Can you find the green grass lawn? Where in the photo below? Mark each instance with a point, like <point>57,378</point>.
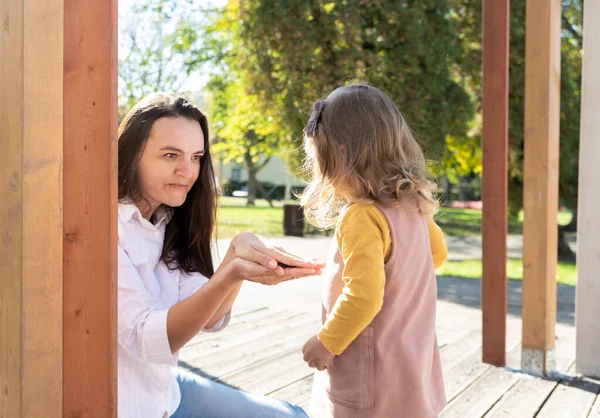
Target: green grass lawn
<point>471,269</point>
<point>465,222</point>
<point>234,216</point>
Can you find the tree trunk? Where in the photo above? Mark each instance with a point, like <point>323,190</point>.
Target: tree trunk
<point>253,169</point>
<point>461,189</point>
<point>448,185</point>
<point>252,181</point>
<point>564,250</point>
<point>264,193</point>
<point>571,226</point>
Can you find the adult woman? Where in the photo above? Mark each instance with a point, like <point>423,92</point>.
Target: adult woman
<point>167,207</point>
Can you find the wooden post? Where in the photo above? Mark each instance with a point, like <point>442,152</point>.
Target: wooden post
<point>31,159</point>
<point>495,178</point>
<point>588,232</point>
<point>540,201</point>
<point>11,207</point>
<point>90,208</point>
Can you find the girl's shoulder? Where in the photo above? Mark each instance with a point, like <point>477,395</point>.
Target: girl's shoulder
<point>361,214</point>
<point>363,224</point>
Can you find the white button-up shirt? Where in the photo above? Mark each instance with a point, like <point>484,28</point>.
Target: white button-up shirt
<point>147,289</point>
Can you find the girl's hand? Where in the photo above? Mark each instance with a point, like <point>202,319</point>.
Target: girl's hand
<point>250,247</point>
<point>316,355</point>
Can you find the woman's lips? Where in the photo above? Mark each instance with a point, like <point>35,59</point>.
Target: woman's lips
<point>178,186</point>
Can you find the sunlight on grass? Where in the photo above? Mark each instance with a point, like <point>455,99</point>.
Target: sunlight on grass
<point>566,273</point>
<point>564,217</point>
<point>234,216</point>
<point>262,220</point>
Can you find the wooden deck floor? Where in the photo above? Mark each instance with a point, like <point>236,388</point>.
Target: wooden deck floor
<point>260,352</point>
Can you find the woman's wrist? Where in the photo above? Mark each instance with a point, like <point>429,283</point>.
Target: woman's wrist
<point>229,273</point>
<point>235,242</point>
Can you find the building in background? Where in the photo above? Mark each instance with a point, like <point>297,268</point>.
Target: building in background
<point>275,177</point>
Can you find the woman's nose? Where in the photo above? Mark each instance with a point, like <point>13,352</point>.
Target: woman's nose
<point>184,169</point>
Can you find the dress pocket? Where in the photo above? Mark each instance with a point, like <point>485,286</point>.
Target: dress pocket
<point>351,374</point>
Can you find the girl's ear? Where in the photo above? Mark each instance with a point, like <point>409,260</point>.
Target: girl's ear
<point>342,148</point>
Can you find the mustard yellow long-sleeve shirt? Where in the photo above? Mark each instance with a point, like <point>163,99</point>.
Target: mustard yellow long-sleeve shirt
<point>364,242</point>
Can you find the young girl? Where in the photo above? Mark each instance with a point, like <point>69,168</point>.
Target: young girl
<point>167,205</point>
<point>376,353</point>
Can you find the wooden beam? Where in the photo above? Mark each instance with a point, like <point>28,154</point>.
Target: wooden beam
<point>11,206</point>
<point>31,190</point>
<point>495,178</point>
<point>90,208</point>
<point>588,232</point>
<point>42,208</point>
<point>540,201</point>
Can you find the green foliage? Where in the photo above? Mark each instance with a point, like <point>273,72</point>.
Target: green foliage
<point>155,38</point>
<point>270,60</point>
<point>297,51</point>
<point>239,127</point>
<point>244,130</point>
<point>468,16</point>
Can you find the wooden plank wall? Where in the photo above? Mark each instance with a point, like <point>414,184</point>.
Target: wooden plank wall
<point>90,200</point>
<point>540,202</point>
<point>495,178</point>
<point>31,188</point>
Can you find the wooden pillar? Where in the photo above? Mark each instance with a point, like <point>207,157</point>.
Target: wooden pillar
<point>31,175</point>
<point>540,201</point>
<point>495,178</point>
<point>588,232</point>
<point>90,208</point>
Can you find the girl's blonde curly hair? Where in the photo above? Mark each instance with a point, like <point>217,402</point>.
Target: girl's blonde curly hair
<point>359,149</point>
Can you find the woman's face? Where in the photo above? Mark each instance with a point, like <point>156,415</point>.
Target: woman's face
<point>170,163</point>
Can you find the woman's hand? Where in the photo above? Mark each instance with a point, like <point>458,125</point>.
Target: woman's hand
<point>257,261</point>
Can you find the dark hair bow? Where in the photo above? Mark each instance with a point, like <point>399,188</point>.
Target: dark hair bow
<point>311,127</point>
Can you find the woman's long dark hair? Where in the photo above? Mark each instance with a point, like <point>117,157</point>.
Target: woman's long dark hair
<point>187,243</point>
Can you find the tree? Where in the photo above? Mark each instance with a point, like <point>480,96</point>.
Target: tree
<point>241,132</point>
<point>154,49</point>
<point>244,130</point>
<point>296,51</point>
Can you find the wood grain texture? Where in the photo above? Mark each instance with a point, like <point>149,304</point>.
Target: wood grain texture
<point>494,223</point>
<point>11,205</point>
<point>90,208</point>
<point>42,208</point>
<point>540,202</point>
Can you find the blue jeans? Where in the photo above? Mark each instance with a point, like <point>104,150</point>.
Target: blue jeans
<point>203,398</point>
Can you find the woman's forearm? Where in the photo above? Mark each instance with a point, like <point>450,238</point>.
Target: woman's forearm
<point>231,297</point>
<point>225,306</point>
<point>246,259</point>
<point>186,318</point>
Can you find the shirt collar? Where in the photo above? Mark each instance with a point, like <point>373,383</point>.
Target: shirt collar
<point>128,210</point>
<point>163,214</point>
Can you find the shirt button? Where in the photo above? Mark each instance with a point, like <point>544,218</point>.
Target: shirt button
<point>156,233</point>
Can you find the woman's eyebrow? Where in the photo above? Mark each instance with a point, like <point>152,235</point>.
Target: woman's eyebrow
<point>171,148</point>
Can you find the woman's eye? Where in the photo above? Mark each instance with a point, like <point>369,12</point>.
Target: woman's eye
<point>171,155</point>
<point>197,157</point>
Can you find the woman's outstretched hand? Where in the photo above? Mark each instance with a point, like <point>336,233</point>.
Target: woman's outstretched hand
<point>257,261</point>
